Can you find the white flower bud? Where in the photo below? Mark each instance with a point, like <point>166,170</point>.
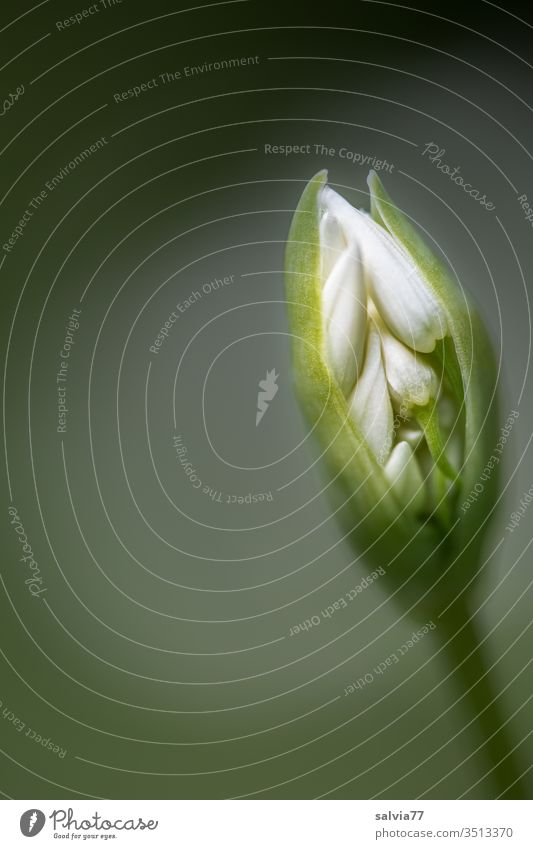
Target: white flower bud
<point>370,405</point>
<point>405,435</point>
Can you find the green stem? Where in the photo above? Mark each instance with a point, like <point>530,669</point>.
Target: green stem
<point>465,656</point>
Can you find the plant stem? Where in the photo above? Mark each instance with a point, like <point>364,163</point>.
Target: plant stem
<point>469,668</point>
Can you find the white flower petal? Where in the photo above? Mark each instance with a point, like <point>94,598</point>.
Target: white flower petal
<point>370,405</point>
<point>402,296</point>
<point>405,477</point>
<point>344,312</point>
<point>347,216</point>
<point>332,243</point>
<point>411,379</point>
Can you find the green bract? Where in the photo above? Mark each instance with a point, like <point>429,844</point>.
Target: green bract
<point>394,370</point>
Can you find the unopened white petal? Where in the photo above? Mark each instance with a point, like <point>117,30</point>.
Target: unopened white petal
<point>345,214</point>
<point>401,294</point>
<point>370,405</point>
<point>332,243</point>
<point>405,477</point>
<point>344,314</point>
<point>411,379</point>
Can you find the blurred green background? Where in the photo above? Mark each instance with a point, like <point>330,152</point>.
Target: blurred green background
<point>159,660</point>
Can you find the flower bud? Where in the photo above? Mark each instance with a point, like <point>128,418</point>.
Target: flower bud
<point>394,370</point>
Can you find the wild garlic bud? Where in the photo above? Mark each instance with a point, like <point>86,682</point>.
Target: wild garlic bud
<point>393,368</point>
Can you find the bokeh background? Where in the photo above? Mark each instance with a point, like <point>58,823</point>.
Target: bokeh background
<point>159,659</point>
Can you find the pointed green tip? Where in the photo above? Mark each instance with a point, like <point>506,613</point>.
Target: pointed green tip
<point>377,195</point>
<point>320,177</point>
<point>373,181</point>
